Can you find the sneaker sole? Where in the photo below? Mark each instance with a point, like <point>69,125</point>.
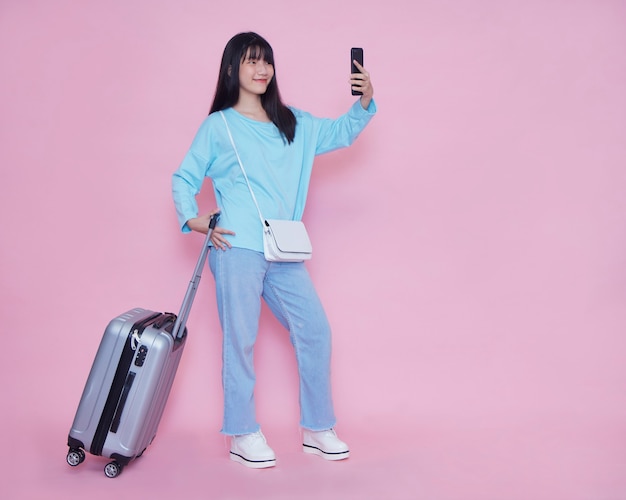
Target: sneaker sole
<point>253,464</point>
<point>340,455</point>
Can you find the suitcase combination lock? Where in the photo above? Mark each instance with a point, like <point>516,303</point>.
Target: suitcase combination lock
<point>141,355</point>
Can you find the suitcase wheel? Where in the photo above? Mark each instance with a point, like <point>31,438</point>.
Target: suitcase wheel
<point>112,469</point>
<point>75,456</point>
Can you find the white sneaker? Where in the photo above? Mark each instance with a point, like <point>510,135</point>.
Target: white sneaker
<point>252,451</point>
<point>325,444</point>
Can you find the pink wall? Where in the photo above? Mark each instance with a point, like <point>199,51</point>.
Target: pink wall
<point>470,248</point>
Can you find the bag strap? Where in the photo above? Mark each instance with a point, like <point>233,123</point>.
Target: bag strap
<point>230,136</point>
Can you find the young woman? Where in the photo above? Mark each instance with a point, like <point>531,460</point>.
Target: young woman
<point>277,145</point>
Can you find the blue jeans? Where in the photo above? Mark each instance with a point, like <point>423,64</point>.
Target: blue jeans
<point>242,277</point>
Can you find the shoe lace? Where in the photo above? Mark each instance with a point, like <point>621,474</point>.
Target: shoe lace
<point>328,432</point>
<point>255,436</point>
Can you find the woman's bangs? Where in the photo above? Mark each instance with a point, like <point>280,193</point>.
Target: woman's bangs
<point>259,52</point>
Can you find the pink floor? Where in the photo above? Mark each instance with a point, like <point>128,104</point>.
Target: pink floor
<point>526,461</point>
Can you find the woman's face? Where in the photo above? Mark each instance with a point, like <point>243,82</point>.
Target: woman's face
<point>255,74</point>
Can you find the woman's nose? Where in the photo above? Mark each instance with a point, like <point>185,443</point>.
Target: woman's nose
<point>261,67</point>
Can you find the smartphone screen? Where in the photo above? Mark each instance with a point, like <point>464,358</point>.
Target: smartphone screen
<point>356,53</point>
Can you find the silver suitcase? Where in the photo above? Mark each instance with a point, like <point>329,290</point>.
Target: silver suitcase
<point>130,380</point>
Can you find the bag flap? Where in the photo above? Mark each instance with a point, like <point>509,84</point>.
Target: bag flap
<point>290,235</point>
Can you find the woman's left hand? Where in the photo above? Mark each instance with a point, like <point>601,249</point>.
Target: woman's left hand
<point>363,83</point>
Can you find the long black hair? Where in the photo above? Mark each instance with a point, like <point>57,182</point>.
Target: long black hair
<point>227,89</point>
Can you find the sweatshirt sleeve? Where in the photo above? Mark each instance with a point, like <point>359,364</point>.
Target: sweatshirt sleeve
<point>343,131</point>
<point>188,178</point>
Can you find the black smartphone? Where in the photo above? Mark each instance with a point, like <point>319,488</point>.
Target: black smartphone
<point>356,54</point>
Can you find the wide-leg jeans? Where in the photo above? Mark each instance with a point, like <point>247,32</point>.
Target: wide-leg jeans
<point>242,278</point>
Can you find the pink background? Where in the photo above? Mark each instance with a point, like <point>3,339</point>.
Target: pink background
<point>470,248</point>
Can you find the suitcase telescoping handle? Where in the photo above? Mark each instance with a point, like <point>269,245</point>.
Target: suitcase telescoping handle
<point>181,320</point>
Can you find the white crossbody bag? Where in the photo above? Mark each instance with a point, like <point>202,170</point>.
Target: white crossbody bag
<point>283,240</point>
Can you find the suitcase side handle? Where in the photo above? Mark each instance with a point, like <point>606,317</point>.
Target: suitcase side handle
<point>181,320</point>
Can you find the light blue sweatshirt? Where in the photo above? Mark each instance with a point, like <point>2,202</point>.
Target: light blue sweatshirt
<point>278,172</point>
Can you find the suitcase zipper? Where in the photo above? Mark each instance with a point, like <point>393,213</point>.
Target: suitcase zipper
<point>115,424</point>
<point>117,386</point>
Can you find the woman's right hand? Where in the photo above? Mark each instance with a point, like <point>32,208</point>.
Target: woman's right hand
<point>201,225</point>
<point>363,83</point>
